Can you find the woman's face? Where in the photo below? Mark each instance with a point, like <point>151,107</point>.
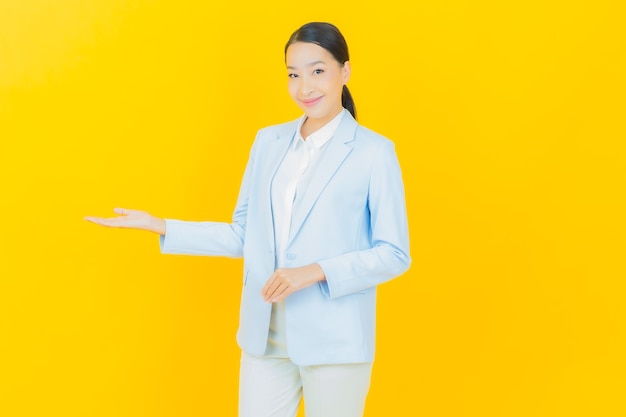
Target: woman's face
<point>316,81</point>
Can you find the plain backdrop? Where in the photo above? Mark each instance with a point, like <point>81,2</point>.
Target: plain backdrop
<point>508,119</point>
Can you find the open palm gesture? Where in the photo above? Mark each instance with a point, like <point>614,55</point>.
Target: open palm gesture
<point>131,219</point>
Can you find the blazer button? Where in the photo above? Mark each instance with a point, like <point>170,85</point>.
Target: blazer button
<point>291,256</point>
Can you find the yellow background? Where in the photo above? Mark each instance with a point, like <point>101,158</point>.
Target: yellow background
<point>508,118</point>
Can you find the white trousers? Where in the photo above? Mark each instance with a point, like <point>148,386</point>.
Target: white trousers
<point>273,387</point>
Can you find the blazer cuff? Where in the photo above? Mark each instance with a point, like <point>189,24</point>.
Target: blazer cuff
<point>324,288</point>
<point>181,238</point>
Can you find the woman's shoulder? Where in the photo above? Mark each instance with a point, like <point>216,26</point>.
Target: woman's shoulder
<point>364,135</point>
<point>368,134</point>
<point>277,129</point>
<point>372,141</point>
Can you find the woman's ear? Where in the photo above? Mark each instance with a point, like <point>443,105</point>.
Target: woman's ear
<point>346,71</point>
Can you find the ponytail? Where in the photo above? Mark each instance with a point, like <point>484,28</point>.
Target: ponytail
<point>347,101</point>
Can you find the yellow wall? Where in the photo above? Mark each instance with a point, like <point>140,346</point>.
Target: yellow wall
<point>509,123</point>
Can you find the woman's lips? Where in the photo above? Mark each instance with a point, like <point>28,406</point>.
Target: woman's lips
<point>311,102</point>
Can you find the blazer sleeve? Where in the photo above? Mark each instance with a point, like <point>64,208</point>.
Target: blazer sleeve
<point>388,256</point>
<point>212,238</point>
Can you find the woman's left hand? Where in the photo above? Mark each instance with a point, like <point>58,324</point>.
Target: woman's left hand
<point>285,281</point>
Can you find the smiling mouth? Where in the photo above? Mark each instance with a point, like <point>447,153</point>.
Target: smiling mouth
<point>311,102</point>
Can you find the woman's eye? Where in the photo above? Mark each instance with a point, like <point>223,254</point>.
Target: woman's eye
<point>318,71</point>
<point>292,75</point>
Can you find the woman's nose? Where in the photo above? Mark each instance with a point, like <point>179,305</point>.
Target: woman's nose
<point>306,86</point>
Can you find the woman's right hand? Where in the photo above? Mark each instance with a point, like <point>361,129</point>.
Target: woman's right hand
<point>131,219</point>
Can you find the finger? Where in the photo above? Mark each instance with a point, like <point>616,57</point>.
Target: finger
<point>269,292</point>
<point>278,291</point>
<point>281,293</point>
<point>121,211</point>
<point>274,289</point>
<point>267,286</point>
<point>270,285</point>
<point>98,220</point>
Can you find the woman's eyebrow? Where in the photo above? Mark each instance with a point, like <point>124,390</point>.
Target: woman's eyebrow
<point>310,64</point>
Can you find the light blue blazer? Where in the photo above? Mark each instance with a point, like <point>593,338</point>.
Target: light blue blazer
<point>352,222</point>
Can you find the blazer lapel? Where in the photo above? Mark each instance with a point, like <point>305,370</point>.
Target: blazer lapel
<point>276,151</point>
<point>331,160</point>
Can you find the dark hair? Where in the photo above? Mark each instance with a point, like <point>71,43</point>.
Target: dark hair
<point>328,37</point>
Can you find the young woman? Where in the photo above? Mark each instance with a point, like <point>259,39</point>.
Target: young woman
<point>320,221</point>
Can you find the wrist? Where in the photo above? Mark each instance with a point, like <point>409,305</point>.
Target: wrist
<point>157,225</point>
<point>320,275</point>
